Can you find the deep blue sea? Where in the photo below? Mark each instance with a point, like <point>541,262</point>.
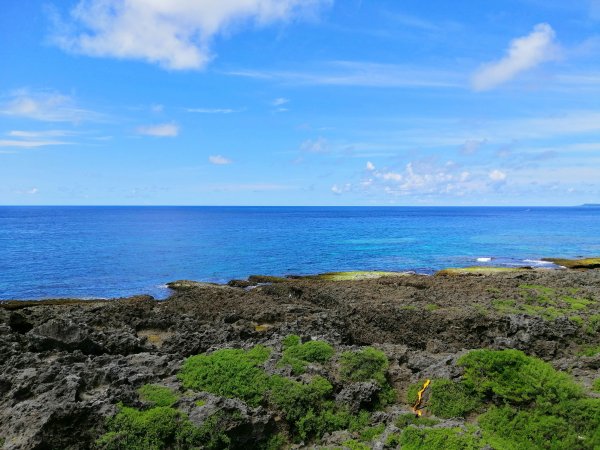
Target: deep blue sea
<point>85,252</point>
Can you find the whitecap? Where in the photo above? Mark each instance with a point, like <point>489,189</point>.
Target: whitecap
<point>484,259</point>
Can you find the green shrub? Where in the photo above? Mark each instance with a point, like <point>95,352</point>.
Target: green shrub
<point>275,442</point>
<point>158,395</point>
<point>412,419</point>
<point>449,399</point>
<point>298,356</point>
<point>229,373</point>
<point>513,377</point>
<point>596,385</point>
<point>439,439</point>
<point>393,440</point>
<point>364,365</point>
<point>355,445</point>
<point>370,433</point>
<point>508,428</point>
<point>291,341</point>
<point>153,429</point>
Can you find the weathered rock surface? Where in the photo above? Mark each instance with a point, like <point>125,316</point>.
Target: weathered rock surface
<point>64,366</point>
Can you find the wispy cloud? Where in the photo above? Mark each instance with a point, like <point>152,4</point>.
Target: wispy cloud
<point>47,106</point>
<point>319,145</point>
<point>159,130</point>
<point>176,34</point>
<point>364,74</point>
<point>219,160</point>
<point>523,54</point>
<point>33,139</point>
<point>280,101</point>
<point>213,110</point>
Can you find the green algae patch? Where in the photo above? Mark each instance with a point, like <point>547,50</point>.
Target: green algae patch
<point>480,270</point>
<point>354,276</point>
<point>546,302</point>
<point>585,263</point>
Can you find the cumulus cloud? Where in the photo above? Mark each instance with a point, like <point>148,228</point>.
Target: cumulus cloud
<point>523,54</point>
<point>159,130</point>
<point>175,34</point>
<point>429,178</point>
<point>219,160</point>
<point>370,166</point>
<point>46,106</point>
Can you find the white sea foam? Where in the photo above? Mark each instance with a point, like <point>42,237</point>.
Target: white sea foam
<point>484,259</point>
<point>538,262</point>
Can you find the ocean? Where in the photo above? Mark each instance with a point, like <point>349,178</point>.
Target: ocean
<point>106,252</point>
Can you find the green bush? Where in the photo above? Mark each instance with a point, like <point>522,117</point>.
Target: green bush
<point>449,399</point>
<point>513,377</point>
<point>393,440</point>
<point>153,429</point>
<point>368,364</point>
<point>412,419</point>
<point>298,356</point>
<point>158,395</point>
<point>596,385</point>
<point>355,445</point>
<point>370,433</point>
<point>589,350</point>
<point>364,365</point>
<point>439,439</point>
<point>229,373</point>
<point>508,428</point>
<point>291,341</point>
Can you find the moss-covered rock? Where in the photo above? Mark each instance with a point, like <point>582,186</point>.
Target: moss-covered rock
<point>480,270</point>
<point>354,276</point>
<point>584,263</point>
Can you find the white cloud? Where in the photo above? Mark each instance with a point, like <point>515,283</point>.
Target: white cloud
<point>213,110</point>
<point>219,160</point>
<point>370,166</point>
<point>31,191</point>
<point>319,145</point>
<point>497,175</point>
<point>159,130</point>
<point>175,34</point>
<point>523,54</point>
<point>338,190</point>
<point>360,73</point>
<point>280,101</point>
<point>47,106</point>
<point>33,139</point>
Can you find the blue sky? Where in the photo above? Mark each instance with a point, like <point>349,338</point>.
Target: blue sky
<point>300,102</point>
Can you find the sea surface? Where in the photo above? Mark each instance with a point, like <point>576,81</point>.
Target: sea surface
<point>105,252</point>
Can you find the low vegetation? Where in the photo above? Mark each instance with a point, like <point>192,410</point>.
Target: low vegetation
<point>513,401</point>
<point>298,355</point>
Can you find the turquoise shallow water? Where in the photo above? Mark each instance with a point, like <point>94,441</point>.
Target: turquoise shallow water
<point>117,251</point>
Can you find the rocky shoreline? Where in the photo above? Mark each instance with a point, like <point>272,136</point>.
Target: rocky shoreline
<point>70,370</point>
